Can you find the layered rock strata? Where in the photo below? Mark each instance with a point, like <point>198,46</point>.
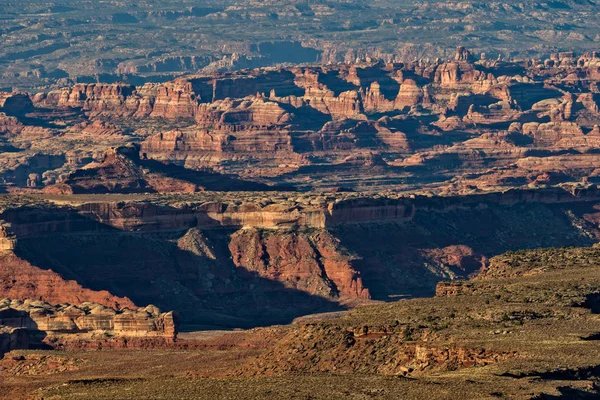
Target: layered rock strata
<point>87,317</point>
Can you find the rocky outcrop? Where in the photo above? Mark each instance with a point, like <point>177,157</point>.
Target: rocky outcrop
<point>463,54</point>
<point>9,125</point>
<point>185,141</point>
<point>201,148</point>
<point>36,132</point>
<point>96,97</point>
<point>85,317</point>
<point>374,101</point>
<point>252,111</point>
<point>320,348</point>
<point>7,239</point>
<point>84,326</point>
<point>163,64</point>
<point>347,105</point>
<point>562,134</point>
<point>463,76</point>
<point>410,95</point>
<point>175,100</point>
<point>99,128</point>
<point>123,171</point>
<point>117,172</point>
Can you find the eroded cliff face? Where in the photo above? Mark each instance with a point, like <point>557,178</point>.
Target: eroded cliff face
<point>221,262</point>
<point>13,339</point>
<point>121,170</point>
<point>35,323</point>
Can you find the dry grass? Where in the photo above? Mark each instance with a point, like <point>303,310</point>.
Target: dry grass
<point>536,318</point>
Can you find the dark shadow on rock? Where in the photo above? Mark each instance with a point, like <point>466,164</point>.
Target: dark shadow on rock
<point>592,303</point>
<point>526,95</point>
<point>568,392</point>
<point>210,180</point>
<point>123,171</point>
<point>27,334</point>
<point>392,263</point>
<point>332,80</point>
<point>388,86</point>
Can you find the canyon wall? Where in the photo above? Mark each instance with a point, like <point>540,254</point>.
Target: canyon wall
<point>218,263</point>
<point>152,216</point>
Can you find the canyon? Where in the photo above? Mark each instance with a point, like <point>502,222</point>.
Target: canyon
<point>49,44</point>
<point>344,199</point>
<point>482,337</point>
<point>223,258</point>
<point>268,221</point>
<point>456,126</point>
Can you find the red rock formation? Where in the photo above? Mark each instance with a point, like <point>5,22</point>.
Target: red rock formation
<point>455,288</point>
<point>319,348</point>
<point>36,132</point>
<point>187,141</point>
<point>463,54</point>
<point>21,280</point>
<point>97,97</point>
<point>9,125</point>
<point>314,263</point>
<point>375,101</point>
<point>346,105</point>
<point>255,112</point>
<point>13,339</point>
<point>120,171</point>
<point>409,95</point>
<point>462,75</point>
<point>460,258</point>
<point>561,134</point>
<point>181,144</point>
<point>175,100</point>
<point>100,128</point>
